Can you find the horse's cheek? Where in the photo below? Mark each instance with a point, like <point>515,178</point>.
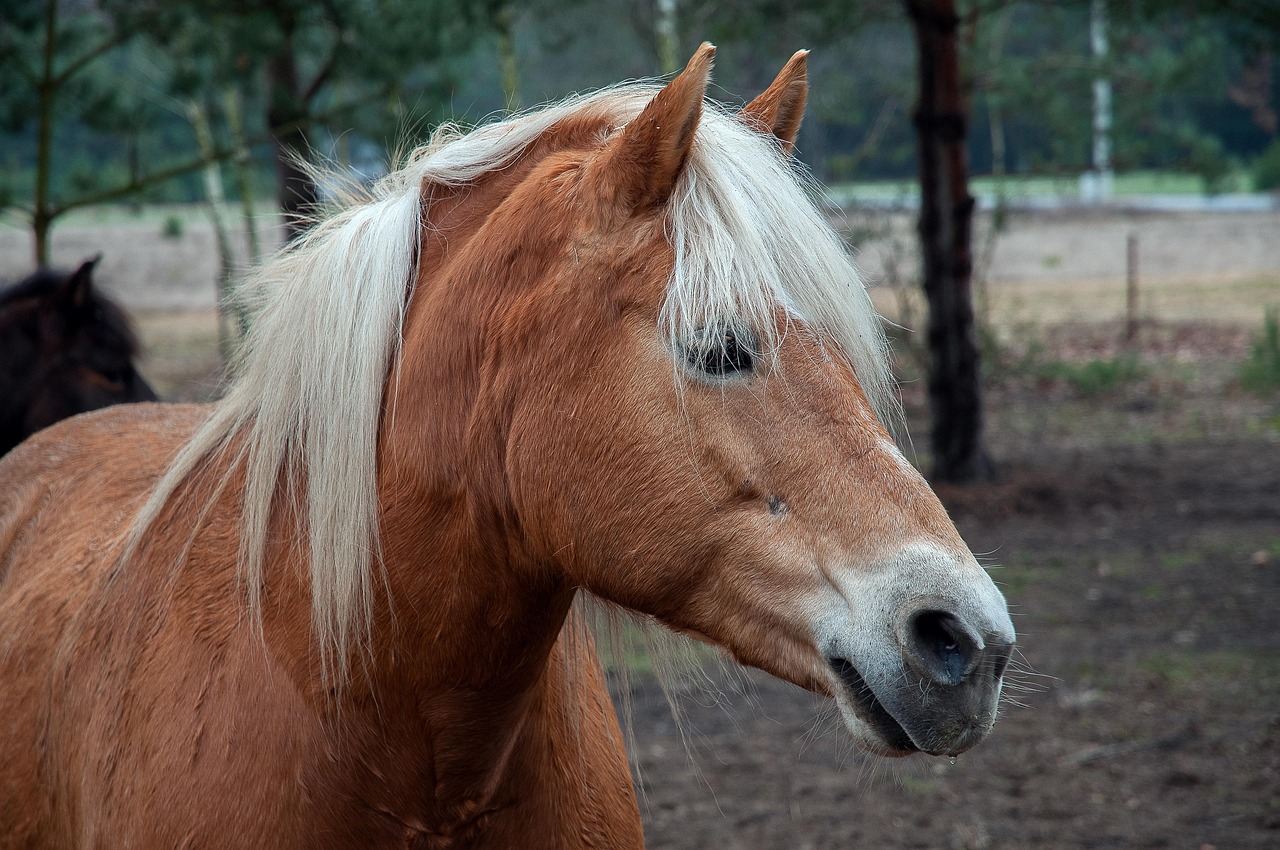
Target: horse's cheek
<point>589,496</point>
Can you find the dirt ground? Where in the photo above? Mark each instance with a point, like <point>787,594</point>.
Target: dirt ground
<point>1135,531</point>
<point>1146,711</point>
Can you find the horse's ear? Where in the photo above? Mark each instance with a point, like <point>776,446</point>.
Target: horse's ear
<point>780,108</point>
<point>78,288</point>
<point>646,159</point>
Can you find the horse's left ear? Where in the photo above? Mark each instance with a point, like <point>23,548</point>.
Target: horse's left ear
<point>78,289</point>
<point>780,108</point>
<point>644,162</point>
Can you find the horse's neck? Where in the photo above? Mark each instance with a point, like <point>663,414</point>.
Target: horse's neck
<point>448,715</point>
<point>539,767</point>
<point>468,713</point>
<point>466,716</point>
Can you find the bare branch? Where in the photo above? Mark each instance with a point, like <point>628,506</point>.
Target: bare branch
<point>321,77</point>
<point>116,39</point>
<point>215,154</point>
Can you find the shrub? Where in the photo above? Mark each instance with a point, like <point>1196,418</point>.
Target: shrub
<point>1095,377</point>
<point>1266,169</point>
<point>1211,164</point>
<point>1260,372</point>
<point>173,227</point>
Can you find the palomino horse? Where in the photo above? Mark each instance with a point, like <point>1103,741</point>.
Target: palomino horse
<point>607,347</point>
<point>64,349</point>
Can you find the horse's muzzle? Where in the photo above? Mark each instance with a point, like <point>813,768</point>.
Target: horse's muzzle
<point>944,697</point>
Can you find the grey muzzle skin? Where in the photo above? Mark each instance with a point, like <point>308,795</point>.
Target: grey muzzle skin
<point>949,692</point>
<point>923,664</point>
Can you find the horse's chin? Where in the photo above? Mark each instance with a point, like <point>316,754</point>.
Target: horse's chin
<point>887,724</point>
<point>870,723</point>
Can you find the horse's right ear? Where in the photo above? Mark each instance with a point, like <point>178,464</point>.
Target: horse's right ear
<point>646,159</point>
<point>78,288</point>
<point>780,108</point>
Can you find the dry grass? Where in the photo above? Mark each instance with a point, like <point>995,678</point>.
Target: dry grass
<point>181,357</point>
<point>1223,298</point>
<point>1044,272</point>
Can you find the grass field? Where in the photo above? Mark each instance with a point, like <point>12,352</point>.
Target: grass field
<point>1128,184</point>
<point>1226,298</point>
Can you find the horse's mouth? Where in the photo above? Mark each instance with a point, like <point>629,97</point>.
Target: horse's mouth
<point>870,710</point>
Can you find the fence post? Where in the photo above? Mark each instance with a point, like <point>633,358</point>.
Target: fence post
<point>1131,290</point>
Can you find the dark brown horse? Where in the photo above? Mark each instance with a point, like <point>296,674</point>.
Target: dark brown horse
<point>609,347</point>
<point>64,349</point>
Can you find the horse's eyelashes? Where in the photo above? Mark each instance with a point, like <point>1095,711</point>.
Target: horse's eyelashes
<point>724,354</point>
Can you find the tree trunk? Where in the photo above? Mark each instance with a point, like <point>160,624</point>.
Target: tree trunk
<point>41,218</point>
<point>233,106</point>
<point>507,58</point>
<point>198,115</point>
<point>946,225</point>
<point>667,37</point>
<point>286,108</point>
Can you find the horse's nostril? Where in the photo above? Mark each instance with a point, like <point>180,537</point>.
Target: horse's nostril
<point>942,646</point>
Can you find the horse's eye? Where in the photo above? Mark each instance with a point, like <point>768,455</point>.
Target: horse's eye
<point>721,355</point>
<point>118,376</point>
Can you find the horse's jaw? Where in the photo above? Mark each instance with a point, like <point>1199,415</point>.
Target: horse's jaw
<point>914,650</point>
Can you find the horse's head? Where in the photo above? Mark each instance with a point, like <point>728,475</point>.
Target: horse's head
<point>685,371</point>
<point>66,349</point>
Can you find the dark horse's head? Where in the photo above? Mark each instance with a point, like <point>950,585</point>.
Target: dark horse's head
<point>64,349</point>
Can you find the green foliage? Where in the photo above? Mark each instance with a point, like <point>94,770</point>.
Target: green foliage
<point>1208,160</point>
<point>1024,357</point>
<point>373,71</point>
<point>96,99</point>
<point>1260,372</point>
<point>1171,67</point>
<point>1266,169</point>
<point>1095,377</point>
<point>173,228</point>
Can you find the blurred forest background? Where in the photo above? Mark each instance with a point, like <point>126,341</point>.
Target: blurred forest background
<point>125,93</point>
<point>206,101</point>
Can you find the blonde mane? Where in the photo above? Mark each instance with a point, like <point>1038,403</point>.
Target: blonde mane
<point>328,313</point>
